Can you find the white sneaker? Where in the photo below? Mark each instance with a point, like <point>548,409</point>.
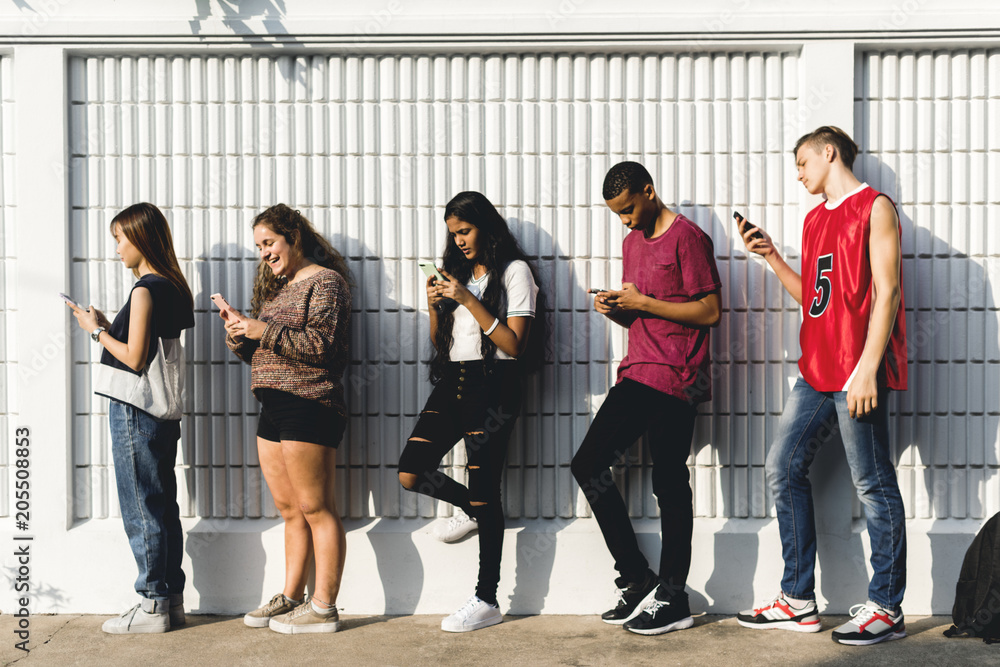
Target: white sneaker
<point>458,526</point>
<point>475,614</point>
<point>870,624</point>
<point>135,621</point>
<point>779,613</point>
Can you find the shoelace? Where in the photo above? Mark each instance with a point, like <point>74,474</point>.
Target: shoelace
<point>654,606</point>
<point>458,519</point>
<point>467,609</point>
<point>767,605</point>
<point>301,610</point>
<point>276,603</point>
<point>131,611</point>
<point>862,613</point>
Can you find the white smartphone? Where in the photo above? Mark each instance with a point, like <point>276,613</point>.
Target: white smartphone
<point>224,306</point>
<point>430,270</point>
<point>65,297</point>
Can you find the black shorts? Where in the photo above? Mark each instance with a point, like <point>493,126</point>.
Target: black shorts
<point>285,416</point>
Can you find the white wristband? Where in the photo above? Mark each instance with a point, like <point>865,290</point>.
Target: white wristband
<point>496,323</point>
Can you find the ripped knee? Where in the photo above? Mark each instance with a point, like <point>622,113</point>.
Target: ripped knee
<point>477,503</point>
<point>418,440</point>
<point>408,480</point>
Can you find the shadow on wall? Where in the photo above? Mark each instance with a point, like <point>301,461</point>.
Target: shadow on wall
<point>535,551</point>
<point>952,325</point>
<point>374,382</point>
<point>952,427</point>
<point>736,544</point>
<point>234,14</point>
<point>211,543</point>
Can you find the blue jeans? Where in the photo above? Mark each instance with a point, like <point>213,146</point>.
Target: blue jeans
<point>144,450</point>
<point>811,419</point>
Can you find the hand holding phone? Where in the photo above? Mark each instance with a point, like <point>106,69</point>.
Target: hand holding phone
<point>740,220</point>
<point>226,311</point>
<point>69,301</point>
<point>431,271</point>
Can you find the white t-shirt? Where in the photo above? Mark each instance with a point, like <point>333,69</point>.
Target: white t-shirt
<point>517,300</point>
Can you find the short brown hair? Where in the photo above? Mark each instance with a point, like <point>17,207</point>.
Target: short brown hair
<point>836,137</point>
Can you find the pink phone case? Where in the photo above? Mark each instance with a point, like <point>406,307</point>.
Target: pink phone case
<point>223,305</point>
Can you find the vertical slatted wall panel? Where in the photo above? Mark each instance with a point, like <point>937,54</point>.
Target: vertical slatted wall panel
<point>8,287</point>
<point>929,126</point>
<point>370,149</point>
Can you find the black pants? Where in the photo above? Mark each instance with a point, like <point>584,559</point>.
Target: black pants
<point>631,409</point>
<point>480,403</point>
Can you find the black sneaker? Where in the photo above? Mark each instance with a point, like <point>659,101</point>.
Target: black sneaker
<point>660,616</point>
<point>631,598</point>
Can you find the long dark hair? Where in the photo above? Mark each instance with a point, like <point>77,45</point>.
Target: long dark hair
<point>497,249</point>
<point>146,228</point>
<point>298,231</point>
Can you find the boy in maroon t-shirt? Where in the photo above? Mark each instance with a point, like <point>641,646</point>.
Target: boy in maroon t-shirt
<point>668,302</point>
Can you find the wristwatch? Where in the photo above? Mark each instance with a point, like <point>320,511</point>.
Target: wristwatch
<point>96,334</point>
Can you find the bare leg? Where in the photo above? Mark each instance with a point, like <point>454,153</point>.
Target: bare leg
<point>298,539</point>
<point>310,472</point>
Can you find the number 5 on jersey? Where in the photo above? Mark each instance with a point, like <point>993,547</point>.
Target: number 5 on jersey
<point>823,287</point>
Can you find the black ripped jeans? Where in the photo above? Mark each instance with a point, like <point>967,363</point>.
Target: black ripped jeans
<point>479,402</point>
<point>631,409</point>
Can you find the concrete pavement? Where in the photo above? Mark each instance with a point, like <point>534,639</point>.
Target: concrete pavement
<point>523,640</point>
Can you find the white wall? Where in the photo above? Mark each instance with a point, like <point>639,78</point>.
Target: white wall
<point>369,123</point>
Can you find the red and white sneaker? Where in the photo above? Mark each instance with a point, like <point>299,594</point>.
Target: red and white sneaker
<point>870,624</point>
<point>781,615</point>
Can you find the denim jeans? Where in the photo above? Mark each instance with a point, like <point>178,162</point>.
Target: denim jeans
<point>810,419</point>
<point>144,451</point>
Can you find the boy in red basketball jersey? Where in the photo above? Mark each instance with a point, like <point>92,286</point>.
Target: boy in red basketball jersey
<point>853,341</point>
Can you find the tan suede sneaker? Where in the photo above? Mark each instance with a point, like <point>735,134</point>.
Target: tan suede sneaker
<point>279,604</point>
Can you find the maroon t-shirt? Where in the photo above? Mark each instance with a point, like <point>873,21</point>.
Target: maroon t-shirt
<point>676,266</point>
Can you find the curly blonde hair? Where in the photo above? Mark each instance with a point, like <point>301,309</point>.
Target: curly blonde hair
<point>298,232</point>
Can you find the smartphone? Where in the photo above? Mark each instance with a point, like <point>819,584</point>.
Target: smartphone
<point>739,225</point>
<point>224,306</point>
<point>430,270</point>
<point>65,297</point>
<point>596,290</point>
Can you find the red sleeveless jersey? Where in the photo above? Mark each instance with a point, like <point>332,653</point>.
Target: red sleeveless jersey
<point>837,296</point>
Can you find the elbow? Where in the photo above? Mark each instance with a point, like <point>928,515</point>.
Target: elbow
<point>713,317</point>
<point>889,296</point>
<point>519,348</point>
<point>136,365</point>
<point>895,296</point>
